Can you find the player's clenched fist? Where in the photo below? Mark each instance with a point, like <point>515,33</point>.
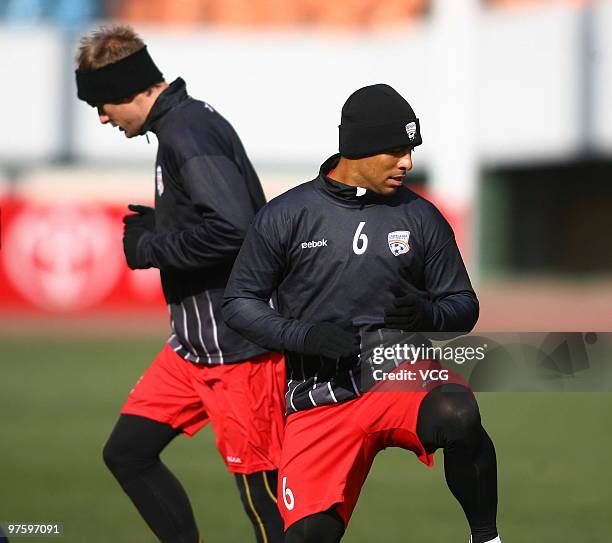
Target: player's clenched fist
<point>136,227</point>
<point>330,340</point>
<point>411,310</point>
<point>143,216</point>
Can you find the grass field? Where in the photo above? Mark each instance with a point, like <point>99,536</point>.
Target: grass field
<point>59,400</point>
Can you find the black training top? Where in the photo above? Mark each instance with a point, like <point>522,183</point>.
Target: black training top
<point>207,193</point>
<point>332,256</point>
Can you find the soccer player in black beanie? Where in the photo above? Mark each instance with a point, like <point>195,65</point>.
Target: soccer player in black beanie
<point>206,193</point>
<point>355,254</point>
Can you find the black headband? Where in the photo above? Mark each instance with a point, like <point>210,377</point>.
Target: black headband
<point>117,81</point>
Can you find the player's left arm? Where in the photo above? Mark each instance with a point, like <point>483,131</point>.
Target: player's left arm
<point>454,306</point>
<point>438,296</point>
<point>220,194</point>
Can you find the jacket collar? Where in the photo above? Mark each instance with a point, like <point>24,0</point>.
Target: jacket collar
<point>345,194</point>
<point>173,95</point>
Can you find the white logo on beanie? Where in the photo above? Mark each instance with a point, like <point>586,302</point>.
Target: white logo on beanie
<point>411,130</point>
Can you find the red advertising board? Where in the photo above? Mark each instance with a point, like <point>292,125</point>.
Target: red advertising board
<point>68,259</point>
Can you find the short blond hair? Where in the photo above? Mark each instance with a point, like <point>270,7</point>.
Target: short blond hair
<point>107,45</point>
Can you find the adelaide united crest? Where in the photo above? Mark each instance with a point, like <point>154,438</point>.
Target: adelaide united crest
<point>398,242</point>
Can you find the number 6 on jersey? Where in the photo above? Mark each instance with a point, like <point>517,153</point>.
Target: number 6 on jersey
<point>288,495</point>
<point>360,241</point>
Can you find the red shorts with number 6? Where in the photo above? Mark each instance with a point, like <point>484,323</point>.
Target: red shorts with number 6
<point>244,402</point>
<point>328,450</point>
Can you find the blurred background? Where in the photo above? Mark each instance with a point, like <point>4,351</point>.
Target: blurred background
<point>517,154</point>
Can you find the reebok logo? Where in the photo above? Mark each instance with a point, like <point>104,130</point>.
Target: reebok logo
<point>312,244</point>
<point>233,459</point>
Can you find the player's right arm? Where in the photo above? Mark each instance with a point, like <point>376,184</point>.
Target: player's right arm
<point>257,272</point>
<point>259,269</point>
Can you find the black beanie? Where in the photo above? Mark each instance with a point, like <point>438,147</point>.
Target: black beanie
<point>376,118</point>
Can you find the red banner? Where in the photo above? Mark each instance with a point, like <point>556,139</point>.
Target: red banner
<point>68,259</point>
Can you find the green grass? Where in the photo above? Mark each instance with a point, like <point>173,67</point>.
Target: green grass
<point>59,401</point>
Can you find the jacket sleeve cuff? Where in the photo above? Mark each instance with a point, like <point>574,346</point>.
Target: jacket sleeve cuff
<point>296,338</point>
<point>429,324</point>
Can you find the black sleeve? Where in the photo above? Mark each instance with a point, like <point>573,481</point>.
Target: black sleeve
<point>455,306</point>
<point>257,272</point>
<point>220,194</point>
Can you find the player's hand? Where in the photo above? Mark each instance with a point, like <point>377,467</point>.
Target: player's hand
<point>411,310</point>
<point>132,237</point>
<point>330,340</point>
<point>144,216</point>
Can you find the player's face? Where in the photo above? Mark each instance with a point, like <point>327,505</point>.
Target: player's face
<point>384,173</point>
<point>127,116</point>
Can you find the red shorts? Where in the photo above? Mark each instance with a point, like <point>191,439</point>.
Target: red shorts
<point>328,450</point>
<point>244,402</point>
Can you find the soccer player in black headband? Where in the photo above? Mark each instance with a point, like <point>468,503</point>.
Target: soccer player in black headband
<point>354,255</point>
<point>206,194</point>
